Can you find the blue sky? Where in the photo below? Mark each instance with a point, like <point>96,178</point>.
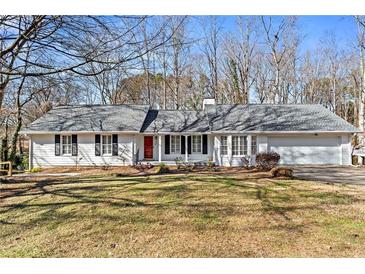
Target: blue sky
<point>315,28</point>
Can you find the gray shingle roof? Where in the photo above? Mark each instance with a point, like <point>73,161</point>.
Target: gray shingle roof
<point>216,118</point>
<point>265,117</point>
<point>176,121</point>
<point>91,118</point>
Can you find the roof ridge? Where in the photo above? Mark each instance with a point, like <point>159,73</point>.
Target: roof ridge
<point>99,105</point>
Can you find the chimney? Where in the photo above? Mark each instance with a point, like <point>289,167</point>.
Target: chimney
<point>208,99</point>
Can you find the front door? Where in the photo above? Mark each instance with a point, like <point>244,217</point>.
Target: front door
<point>148,147</point>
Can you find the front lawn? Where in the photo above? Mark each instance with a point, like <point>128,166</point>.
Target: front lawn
<point>189,215</point>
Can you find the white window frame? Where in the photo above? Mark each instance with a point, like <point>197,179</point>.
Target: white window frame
<point>253,145</point>
<point>176,147</point>
<point>67,144</point>
<point>242,148</point>
<point>106,144</point>
<point>192,144</point>
<point>224,146</point>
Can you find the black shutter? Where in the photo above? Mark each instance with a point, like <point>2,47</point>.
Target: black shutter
<point>167,144</point>
<point>74,145</point>
<point>97,145</point>
<point>57,141</point>
<point>205,144</point>
<point>189,144</point>
<point>182,145</point>
<point>115,145</point>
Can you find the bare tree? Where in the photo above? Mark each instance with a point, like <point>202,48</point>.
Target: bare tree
<point>278,39</point>
<point>211,44</point>
<point>361,43</point>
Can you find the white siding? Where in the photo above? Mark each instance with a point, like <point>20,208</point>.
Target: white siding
<point>307,149</point>
<point>262,145</point>
<point>43,148</point>
<point>229,159</point>
<point>296,149</point>
<point>346,149</point>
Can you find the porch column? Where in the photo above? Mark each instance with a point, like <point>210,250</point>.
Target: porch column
<point>186,149</point>
<point>216,150</point>
<point>30,149</point>
<point>133,151</point>
<point>229,144</point>
<point>249,148</point>
<point>159,148</point>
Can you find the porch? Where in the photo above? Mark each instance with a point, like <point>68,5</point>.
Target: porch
<point>197,149</point>
<point>173,163</point>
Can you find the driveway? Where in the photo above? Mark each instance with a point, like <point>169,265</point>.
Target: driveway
<point>332,174</point>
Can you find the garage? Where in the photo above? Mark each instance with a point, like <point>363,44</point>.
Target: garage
<point>307,150</point>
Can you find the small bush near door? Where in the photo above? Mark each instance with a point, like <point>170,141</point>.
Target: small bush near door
<point>267,161</point>
<point>282,172</point>
<point>162,168</point>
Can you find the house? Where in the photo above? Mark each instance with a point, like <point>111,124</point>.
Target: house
<point>94,135</point>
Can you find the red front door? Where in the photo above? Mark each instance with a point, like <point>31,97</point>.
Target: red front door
<point>148,147</point>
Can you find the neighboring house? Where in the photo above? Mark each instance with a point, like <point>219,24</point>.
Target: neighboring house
<point>97,135</point>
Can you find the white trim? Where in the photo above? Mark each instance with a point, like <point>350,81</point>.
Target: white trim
<point>160,148</point>
<point>111,145</point>
<point>281,132</point>
<point>249,145</point>
<point>201,144</point>
<point>77,132</point>
<point>239,145</point>
<point>30,161</point>
<point>229,142</point>
<point>192,133</point>
<point>70,144</point>
<point>186,148</point>
<point>220,137</point>
<point>175,152</point>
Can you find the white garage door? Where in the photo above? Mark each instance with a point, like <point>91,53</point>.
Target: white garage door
<point>308,150</point>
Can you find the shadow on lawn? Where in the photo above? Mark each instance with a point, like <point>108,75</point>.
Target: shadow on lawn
<point>274,197</point>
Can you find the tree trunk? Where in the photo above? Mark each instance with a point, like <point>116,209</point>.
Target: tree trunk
<point>14,140</point>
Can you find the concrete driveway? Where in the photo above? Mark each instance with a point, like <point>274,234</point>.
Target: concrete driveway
<point>332,174</point>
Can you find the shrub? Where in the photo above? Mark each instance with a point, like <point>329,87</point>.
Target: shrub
<point>162,168</point>
<point>178,162</point>
<point>35,169</point>
<point>282,172</point>
<point>106,167</point>
<point>245,161</point>
<point>210,163</point>
<point>142,167</point>
<point>267,161</point>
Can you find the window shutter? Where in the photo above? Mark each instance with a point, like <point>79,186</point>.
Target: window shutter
<point>74,145</point>
<point>115,145</point>
<point>57,141</point>
<point>205,144</point>
<point>182,144</point>
<point>97,145</point>
<point>189,144</point>
<point>167,144</point>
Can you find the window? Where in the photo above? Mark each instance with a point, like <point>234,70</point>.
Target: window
<point>224,145</point>
<point>239,145</point>
<point>197,144</point>
<point>175,144</point>
<point>253,145</point>
<point>106,145</point>
<point>66,145</point>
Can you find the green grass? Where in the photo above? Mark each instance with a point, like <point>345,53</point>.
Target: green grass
<point>196,215</point>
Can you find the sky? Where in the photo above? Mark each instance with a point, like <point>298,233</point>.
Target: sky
<point>315,28</point>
